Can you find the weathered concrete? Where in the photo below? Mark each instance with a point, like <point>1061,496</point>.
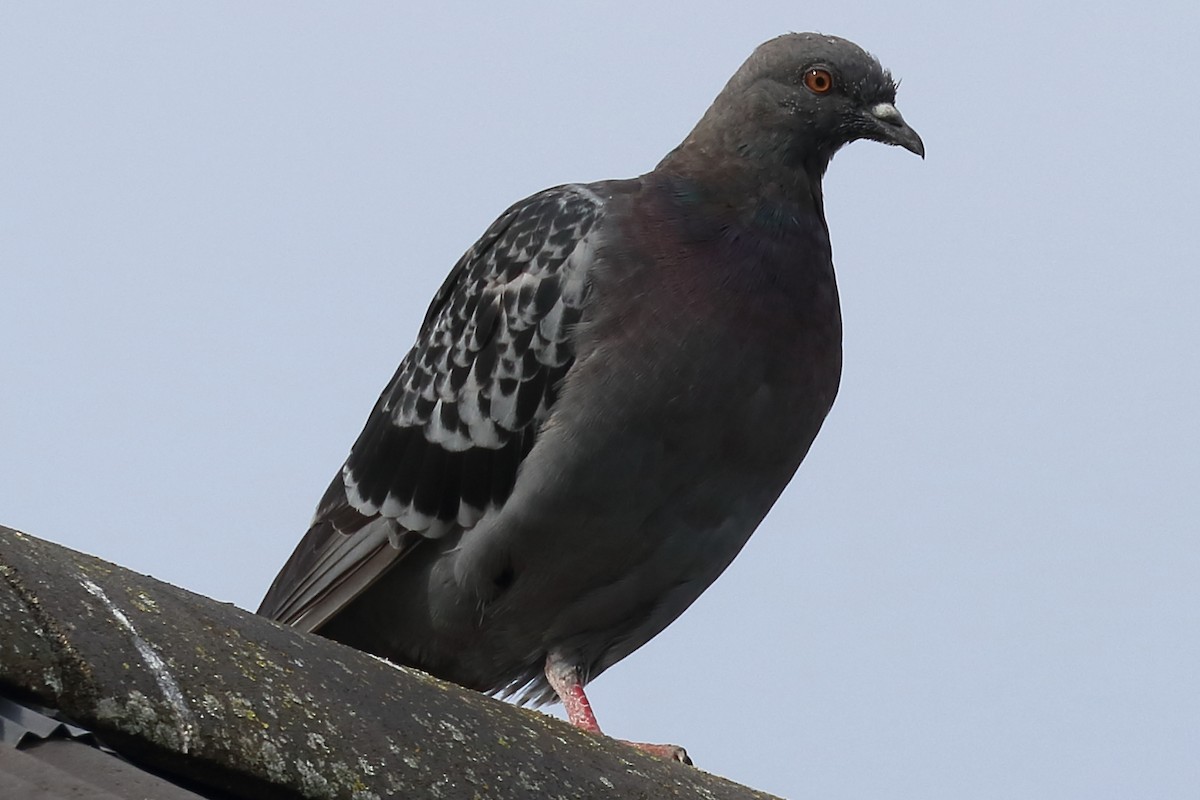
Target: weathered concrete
<point>210,692</point>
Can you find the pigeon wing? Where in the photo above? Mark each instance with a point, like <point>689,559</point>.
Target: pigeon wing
<point>444,442</point>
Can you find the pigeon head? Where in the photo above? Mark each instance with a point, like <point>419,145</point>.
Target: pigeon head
<point>796,101</point>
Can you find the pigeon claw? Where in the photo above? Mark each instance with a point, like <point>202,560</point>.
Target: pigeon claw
<point>669,752</point>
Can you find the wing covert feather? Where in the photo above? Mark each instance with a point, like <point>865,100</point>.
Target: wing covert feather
<point>446,438</point>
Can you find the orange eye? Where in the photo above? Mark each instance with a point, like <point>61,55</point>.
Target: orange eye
<point>818,80</point>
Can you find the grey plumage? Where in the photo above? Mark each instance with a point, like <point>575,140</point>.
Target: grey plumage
<point>606,396</point>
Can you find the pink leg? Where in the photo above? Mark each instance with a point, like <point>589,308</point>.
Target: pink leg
<point>564,679</point>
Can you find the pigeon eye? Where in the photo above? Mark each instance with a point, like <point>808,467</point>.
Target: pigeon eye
<point>818,81</point>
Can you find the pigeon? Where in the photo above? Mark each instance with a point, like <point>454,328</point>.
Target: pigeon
<point>606,396</point>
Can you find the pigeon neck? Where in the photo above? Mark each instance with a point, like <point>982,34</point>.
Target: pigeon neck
<point>749,183</point>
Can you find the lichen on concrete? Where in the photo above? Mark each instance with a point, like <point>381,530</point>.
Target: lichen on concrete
<point>257,706</point>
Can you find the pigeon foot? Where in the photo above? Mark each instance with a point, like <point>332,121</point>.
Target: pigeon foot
<point>564,679</point>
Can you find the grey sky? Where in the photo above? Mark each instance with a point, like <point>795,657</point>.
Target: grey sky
<point>220,226</point>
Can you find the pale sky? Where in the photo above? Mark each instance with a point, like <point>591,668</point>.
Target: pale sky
<point>221,223</point>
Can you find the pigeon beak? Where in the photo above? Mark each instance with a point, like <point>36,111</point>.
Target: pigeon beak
<point>890,128</point>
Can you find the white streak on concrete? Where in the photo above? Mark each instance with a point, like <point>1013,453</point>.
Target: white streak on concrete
<point>158,668</point>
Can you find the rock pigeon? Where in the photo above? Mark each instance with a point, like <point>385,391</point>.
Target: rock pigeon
<point>606,396</point>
